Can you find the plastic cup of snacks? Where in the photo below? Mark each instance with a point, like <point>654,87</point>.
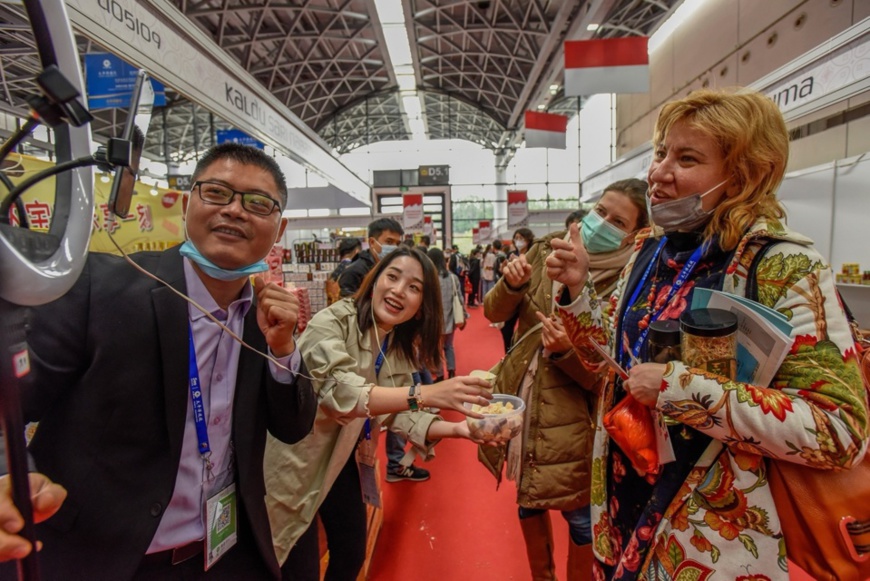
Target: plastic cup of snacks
<point>483,374</point>
<point>502,419</point>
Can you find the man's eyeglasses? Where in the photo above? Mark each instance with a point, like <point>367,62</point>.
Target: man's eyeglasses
<point>221,195</point>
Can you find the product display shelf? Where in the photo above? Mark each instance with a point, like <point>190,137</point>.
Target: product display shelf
<point>311,276</point>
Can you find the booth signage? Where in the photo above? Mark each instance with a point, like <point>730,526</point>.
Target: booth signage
<point>433,175</point>
<point>162,42</point>
<point>179,182</point>
<point>110,82</point>
<point>237,136</point>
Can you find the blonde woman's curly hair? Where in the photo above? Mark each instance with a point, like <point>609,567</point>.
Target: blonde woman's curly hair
<point>753,138</point>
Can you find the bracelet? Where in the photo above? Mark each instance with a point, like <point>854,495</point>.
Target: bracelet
<point>412,398</point>
<point>420,403</point>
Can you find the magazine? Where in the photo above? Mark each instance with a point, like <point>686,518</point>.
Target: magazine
<point>764,336</point>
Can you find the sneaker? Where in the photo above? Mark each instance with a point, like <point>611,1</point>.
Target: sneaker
<point>411,473</point>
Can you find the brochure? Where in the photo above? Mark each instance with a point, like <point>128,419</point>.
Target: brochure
<point>764,336</point>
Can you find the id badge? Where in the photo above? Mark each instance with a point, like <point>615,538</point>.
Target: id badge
<point>368,477</point>
<point>664,446</point>
<point>221,526</point>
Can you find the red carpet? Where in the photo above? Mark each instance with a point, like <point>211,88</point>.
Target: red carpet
<point>456,526</point>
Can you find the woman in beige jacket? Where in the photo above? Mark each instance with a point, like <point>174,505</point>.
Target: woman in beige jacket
<point>360,353</point>
<point>550,462</point>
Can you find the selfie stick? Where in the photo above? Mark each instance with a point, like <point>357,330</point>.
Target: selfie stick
<point>36,268</point>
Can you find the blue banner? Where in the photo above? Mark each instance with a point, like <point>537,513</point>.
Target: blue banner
<point>110,82</point>
<point>237,136</point>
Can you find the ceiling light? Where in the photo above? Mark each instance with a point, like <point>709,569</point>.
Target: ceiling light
<point>318,212</point>
<point>104,178</point>
<point>153,191</point>
<point>541,107</point>
<point>355,211</point>
<point>592,27</point>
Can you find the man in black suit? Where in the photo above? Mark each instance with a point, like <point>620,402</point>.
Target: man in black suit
<point>121,362</point>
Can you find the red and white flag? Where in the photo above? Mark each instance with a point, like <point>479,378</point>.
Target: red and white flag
<point>607,65</point>
<point>545,130</point>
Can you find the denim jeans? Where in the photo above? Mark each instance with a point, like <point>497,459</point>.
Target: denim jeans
<point>579,522</point>
<point>395,451</point>
<point>449,354</point>
<point>485,287</point>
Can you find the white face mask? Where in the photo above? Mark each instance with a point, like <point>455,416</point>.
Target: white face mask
<point>520,244</point>
<point>683,214</point>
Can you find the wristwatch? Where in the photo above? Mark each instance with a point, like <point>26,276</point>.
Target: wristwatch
<point>412,400</point>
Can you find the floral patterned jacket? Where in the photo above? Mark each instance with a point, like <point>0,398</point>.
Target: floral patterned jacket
<point>723,523</point>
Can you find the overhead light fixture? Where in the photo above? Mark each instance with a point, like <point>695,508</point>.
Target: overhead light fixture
<point>355,211</point>
<point>541,107</point>
<point>318,212</point>
<point>392,18</point>
<point>153,191</point>
<point>592,27</point>
<point>105,178</point>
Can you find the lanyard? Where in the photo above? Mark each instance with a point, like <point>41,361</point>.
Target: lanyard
<point>198,406</point>
<point>378,363</point>
<point>681,279</point>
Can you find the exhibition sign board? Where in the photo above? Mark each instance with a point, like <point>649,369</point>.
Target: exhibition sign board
<point>156,36</point>
<point>110,82</point>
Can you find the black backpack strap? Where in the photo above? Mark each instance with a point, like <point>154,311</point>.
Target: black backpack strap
<point>752,273</point>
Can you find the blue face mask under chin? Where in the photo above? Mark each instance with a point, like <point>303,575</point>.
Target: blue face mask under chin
<point>213,270</point>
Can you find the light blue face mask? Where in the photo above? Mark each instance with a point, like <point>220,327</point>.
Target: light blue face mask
<point>599,235</point>
<point>213,270</point>
<point>385,249</point>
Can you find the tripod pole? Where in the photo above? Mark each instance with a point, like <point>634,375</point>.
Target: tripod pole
<point>14,365</point>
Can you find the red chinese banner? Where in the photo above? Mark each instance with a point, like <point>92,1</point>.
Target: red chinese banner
<point>154,223</point>
<point>518,209</point>
<point>412,213</point>
<point>485,230</point>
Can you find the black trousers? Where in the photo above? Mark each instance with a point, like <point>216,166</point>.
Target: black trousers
<point>343,514</point>
<point>507,332</point>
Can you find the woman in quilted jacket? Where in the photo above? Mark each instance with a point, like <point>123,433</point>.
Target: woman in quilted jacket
<point>718,160</point>
<point>550,463</point>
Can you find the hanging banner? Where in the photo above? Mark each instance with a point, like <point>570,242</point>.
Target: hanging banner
<point>475,236</point>
<point>518,208</point>
<point>485,230</point>
<point>427,226</point>
<point>155,213</point>
<point>412,213</point>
